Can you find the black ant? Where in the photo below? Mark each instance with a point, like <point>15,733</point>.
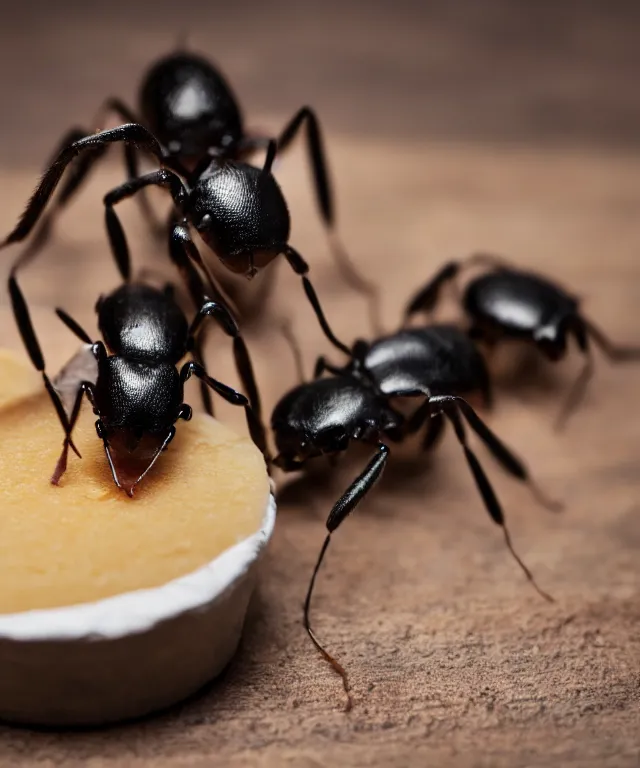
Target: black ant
<point>190,122</point>
<point>322,417</point>
<point>138,393</point>
<point>510,303</point>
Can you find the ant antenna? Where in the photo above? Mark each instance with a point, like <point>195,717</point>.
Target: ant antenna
<point>307,625</point>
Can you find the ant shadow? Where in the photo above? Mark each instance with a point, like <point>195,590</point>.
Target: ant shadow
<point>520,368</point>
<point>411,473</point>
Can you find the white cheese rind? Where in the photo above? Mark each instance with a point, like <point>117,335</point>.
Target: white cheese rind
<point>128,655</point>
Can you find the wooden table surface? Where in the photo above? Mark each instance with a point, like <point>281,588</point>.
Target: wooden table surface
<point>511,127</point>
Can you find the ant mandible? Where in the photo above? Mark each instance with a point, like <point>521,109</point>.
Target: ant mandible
<point>138,394</point>
<point>190,121</point>
<point>438,363</point>
<point>510,303</point>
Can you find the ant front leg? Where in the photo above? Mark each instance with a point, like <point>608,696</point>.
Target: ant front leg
<point>221,315</point>
<point>77,174</point>
<point>30,341</point>
<point>85,388</point>
<point>427,298</point>
<point>133,134</point>
<point>324,366</point>
<point>117,238</point>
<point>317,156</point>
<point>255,426</point>
<point>184,254</point>
<point>300,267</point>
<point>341,510</point>
<point>117,107</point>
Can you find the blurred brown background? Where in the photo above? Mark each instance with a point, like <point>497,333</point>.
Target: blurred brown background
<point>509,126</point>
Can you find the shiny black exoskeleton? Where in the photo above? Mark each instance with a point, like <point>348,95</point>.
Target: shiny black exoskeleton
<point>191,124</point>
<point>439,357</point>
<point>509,303</point>
<point>325,415</point>
<point>439,364</point>
<point>189,107</point>
<point>138,393</point>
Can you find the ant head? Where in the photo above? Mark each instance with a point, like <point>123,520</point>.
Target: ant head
<point>132,451</point>
<point>242,216</point>
<point>309,420</point>
<point>189,107</point>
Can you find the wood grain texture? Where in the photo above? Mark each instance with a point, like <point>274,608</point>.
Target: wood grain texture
<point>514,130</point>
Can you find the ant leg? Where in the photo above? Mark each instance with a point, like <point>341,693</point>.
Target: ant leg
<point>74,326</point>
<point>300,267</point>
<point>30,341</point>
<point>134,134</point>
<point>224,319</point>
<point>117,237</point>
<point>616,353</point>
<point>341,510</point>
<point>184,253</point>
<point>205,392</point>
<point>78,172</point>
<point>324,196</point>
<point>178,252</point>
<point>427,298</point>
<point>85,388</point>
<point>322,365</point>
<point>424,414</point>
<point>250,144</point>
<point>579,387</point>
<point>272,148</point>
<point>156,225</point>
<point>116,106</point>
<point>503,455</point>
<point>256,428</point>
<point>583,331</point>
<point>452,407</point>
<point>433,432</point>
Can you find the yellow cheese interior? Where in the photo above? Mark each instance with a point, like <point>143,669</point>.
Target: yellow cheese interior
<point>17,379</point>
<point>85,539</point>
